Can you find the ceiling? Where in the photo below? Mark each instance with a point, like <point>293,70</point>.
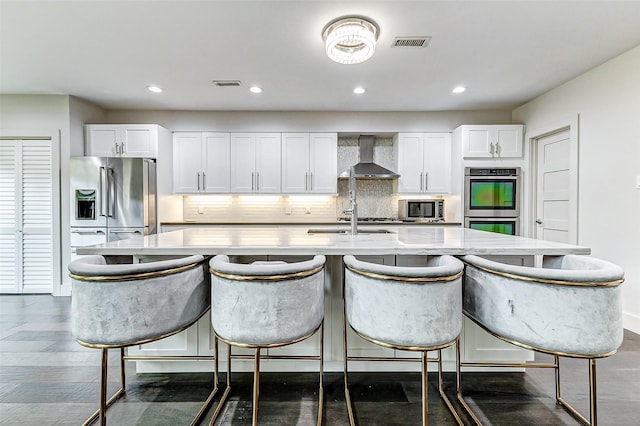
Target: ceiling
<point>108,52</point>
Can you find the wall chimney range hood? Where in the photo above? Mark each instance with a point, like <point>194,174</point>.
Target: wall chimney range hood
<point>366,168</point>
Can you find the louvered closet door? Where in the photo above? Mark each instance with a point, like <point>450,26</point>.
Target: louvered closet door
<point>10,257</point>
<point>26,217</point>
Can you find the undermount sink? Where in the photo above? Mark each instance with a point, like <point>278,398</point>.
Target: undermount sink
<point>346,231</point>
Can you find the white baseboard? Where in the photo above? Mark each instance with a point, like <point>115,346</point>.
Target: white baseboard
<point>631,322</point>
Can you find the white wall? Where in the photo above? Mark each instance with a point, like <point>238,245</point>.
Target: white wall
<point>42,116</point>
<point>607,100</point>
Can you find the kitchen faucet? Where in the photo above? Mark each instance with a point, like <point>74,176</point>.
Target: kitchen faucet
<point>353,209</point>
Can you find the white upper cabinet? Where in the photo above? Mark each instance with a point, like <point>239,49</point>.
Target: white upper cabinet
<point>309,163</point>
<point>121,140</point>
<point>424,163</point>
<point>492,141</point>
<point>255,163</point>
<point>201,163</point>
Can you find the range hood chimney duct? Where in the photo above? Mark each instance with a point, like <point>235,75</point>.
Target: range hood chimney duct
<point>366,168</point>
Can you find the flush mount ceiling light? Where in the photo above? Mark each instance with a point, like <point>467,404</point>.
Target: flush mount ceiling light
<point>359,90</point>
<point>350,39</point>
<point>154,89</point>
<point>459,89</point>
<point>255,89</point>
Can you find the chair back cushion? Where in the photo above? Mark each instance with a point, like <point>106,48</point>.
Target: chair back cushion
<point>573,305</point>
<point>266,304</point>
<point>418,307</point>
<point>120,305</point>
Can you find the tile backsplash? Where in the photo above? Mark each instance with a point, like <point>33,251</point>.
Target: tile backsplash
<point>259,208</point>
<point>376,198</point>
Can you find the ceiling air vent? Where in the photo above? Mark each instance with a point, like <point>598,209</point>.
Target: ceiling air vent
<point>420,42</point>
<point>227,83</point>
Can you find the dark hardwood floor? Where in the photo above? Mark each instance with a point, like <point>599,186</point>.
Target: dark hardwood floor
<point>46,378</point>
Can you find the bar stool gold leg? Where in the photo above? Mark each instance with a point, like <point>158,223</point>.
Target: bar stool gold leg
<point>103,387</point>
<point>425,390</point>
<point>347,396</point>
<point>256,386</point>
<point>207,403</point>
<point>122,370</point>
<point>227,389</point>
<point>556,361</point>
<point>321,390</point>
<point>466,407</point>
<point>592,392</point>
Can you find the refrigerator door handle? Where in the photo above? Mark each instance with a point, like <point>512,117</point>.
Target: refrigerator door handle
<point>103,193</point>
<point>126,232</point>
<point>79,232</point>
<point>112,193</point>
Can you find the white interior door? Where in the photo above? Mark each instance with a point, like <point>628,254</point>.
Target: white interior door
<point>554,198</point>
<point>26,216</point>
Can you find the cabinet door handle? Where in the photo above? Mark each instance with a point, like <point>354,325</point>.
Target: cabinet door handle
<point>311,177</point>
<point>257,181</point>
<point>421,181</point>
<point>426,181</point>
<point>498,149</point>
<point>198,180</point>
<point>204,182</point>
<point>117,148</point>
<point>491,148</point>
<point>306,181</point>
<point>122,148</point>
<point>253,179</point>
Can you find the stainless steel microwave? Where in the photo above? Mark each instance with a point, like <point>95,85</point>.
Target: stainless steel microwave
<point>421,210</point>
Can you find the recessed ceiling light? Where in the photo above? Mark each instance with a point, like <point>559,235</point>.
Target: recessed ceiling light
<point>459,89</point>
<point>255,89</point>
<point>359,90</point>
<point>154,89</point>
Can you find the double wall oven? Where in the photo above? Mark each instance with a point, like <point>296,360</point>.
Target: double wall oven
<point>492,199</point>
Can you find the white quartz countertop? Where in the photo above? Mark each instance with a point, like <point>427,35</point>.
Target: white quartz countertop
<point>294,240</point>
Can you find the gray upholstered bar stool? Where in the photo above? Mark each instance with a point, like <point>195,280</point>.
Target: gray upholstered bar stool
<point>121,305</point>
<point>407,308</point>
<point>267,305</point>
<point>570,307</point>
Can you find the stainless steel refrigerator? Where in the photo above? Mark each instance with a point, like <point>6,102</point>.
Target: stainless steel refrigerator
<point>111,199</point>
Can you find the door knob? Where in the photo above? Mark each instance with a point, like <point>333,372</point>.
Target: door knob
<point>538,221</point>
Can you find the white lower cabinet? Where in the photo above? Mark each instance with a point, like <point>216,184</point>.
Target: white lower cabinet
<point>480,346</point>
<point>184,343</point>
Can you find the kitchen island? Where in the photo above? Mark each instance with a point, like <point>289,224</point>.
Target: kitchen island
<point>401,245</point>
<point>399,240</point>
